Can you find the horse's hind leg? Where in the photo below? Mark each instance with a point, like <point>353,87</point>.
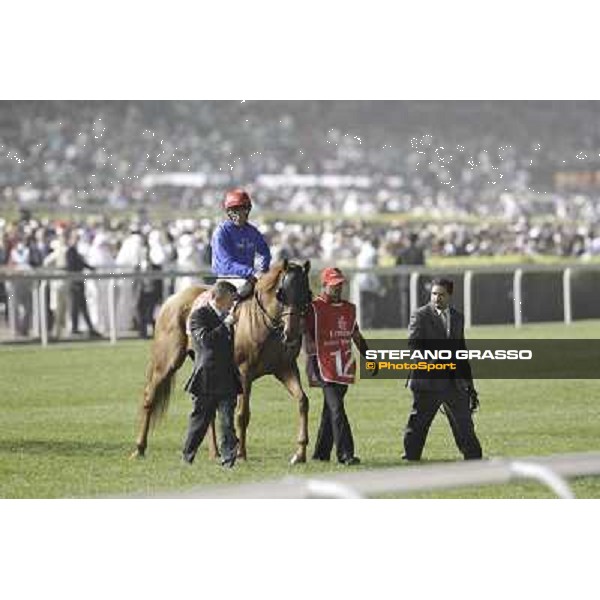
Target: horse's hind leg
<point>163,366</point>
<point>141,442</point>
<point>291,380</point>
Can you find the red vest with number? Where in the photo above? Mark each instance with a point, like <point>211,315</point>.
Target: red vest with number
<point>333,327</point>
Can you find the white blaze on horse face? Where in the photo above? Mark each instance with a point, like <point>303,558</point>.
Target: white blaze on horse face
<point>292,330</point>
<point>293,315</point>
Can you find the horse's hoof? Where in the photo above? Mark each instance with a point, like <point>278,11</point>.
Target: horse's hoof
<point>297,459</point>
<point>136,454</point>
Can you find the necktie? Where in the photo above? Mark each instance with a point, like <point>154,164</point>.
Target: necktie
<point>445,321</point>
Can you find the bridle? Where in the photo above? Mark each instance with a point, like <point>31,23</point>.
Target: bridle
<point>272,323</point>
<point>276,323</point>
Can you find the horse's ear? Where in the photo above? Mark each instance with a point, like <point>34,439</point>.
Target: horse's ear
<point>307,266</point>
<point>285,264</point>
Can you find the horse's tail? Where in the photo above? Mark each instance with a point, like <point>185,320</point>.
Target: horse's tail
<point>167,354</point>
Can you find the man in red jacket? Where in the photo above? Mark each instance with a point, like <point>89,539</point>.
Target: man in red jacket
<point>331,329</point>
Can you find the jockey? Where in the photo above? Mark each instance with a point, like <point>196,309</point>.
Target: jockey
<point>236,243</point>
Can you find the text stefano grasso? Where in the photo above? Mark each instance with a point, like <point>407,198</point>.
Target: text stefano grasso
<point>449,354</point>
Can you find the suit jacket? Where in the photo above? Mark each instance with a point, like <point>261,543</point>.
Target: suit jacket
<point>215,371</point>
<point>426,331</point>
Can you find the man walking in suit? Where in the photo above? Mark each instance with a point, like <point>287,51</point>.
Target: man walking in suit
<point>76,264</point>
<point>439,321</point>
<point>215,380</point>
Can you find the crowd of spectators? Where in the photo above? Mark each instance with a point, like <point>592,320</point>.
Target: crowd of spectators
<point>112,245</point>
<point>459,178</point>
<point>427,158</point>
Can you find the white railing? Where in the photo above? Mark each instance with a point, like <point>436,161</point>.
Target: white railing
<point>39,280</point>
<point>550,471</point>
<point>468,274</point>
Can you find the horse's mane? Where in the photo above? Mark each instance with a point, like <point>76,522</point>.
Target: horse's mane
<point>270,279</point>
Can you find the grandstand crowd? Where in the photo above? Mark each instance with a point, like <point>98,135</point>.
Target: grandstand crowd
<point>110,245</point>
<point>427,158</point>
<point>482,178</point>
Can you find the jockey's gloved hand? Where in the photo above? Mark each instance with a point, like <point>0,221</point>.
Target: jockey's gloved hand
<point>229,320</point>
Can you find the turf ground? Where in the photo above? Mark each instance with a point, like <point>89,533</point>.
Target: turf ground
<point>68,423</point>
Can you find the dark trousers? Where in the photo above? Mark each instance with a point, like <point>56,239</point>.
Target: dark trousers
<point>334,427</point>
<point>79,305</point>
<point>205,408</point>
<point>425,407</point>
<point>369,308</point>
<point>145,307</point>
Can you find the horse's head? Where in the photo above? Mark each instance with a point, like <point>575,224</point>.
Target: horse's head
<point>294,295</point>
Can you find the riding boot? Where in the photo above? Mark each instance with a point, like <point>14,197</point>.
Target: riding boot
<point>246,289</point>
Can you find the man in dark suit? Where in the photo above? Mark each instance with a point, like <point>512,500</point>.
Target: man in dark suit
<point>76,264</point>
<point>412,254</point>
<point>438,325</point>
<point>215,380</point>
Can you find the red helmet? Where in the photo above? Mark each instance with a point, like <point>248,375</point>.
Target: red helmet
<point>237,197</point>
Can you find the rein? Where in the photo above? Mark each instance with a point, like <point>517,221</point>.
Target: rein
<point>274,323</point>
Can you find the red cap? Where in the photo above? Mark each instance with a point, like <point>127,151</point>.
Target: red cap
<point>237,197</point>
<point>332,276</point>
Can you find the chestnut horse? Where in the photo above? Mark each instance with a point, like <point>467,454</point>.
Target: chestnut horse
<point>267,339</point>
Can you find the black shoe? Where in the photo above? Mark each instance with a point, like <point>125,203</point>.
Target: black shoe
<point>407,459</point>
<point>94,334</point>
<point>320,458</point>
<point>350,461</point>
<point>228,463</point>
<point>186,462</point>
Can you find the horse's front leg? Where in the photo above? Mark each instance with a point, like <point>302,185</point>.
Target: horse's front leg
<point>291,380</point>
